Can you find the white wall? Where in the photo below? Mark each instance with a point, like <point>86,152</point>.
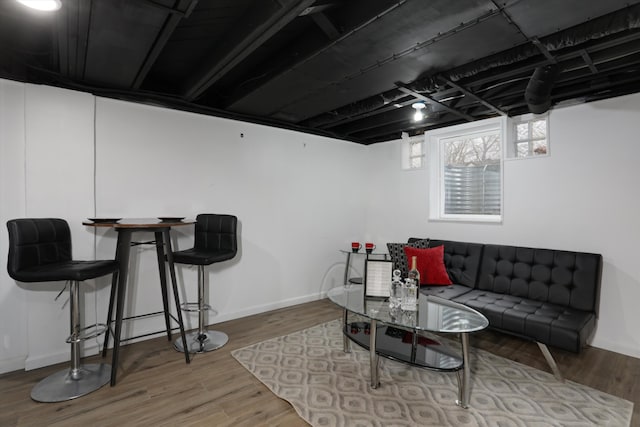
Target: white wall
<point>68,154</point>
<point>299,198</point>
<point>580,198</point>
<point>13,325</point>
<point>58,176</point>
<point>47,171</point>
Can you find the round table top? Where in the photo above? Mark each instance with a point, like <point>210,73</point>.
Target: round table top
<point>362,252</point>
<point>159,222</point>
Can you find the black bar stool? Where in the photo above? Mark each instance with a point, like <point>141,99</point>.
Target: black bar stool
<point>40,251</point>
<point>215,241</point>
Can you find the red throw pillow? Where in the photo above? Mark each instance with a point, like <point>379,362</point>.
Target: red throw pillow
<point>430,265</point>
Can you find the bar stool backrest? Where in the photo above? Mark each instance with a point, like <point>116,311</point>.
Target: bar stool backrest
<point>216,233</point>
<point>35,242</point>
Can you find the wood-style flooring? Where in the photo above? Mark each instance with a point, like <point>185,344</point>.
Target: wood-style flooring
<point>156,387</point>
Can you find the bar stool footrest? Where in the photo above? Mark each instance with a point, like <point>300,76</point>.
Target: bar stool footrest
<point>195,307</point>
<point>87,333</point>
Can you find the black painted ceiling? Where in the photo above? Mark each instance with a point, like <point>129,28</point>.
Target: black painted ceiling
<point>344,68</point>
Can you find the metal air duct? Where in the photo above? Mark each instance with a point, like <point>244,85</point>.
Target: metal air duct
<point>538,92</point>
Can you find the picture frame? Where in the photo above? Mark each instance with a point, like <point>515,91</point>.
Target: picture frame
<point>377,278</point>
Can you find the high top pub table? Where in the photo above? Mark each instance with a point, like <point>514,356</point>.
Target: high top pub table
<point>125,228</point>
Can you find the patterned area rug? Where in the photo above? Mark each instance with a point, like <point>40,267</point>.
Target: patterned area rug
<point>328,387</point>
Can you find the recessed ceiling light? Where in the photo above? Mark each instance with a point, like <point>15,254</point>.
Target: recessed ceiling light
<point>45,5</point>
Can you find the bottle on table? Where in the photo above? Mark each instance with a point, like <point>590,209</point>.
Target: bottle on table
<point>412,284</point>
<point>413,272</point>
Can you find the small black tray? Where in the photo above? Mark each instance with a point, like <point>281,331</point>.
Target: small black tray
<point>104,220</point>
<point>171,218</point>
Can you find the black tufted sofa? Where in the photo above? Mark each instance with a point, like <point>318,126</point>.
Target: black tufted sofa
<point>548,296</point>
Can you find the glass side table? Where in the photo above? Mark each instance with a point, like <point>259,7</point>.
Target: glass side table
<point>358,280</point>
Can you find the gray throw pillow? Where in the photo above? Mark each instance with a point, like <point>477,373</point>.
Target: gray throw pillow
<point>399,258</point>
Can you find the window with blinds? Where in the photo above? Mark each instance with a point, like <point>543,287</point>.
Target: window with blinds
<point>466,172</point>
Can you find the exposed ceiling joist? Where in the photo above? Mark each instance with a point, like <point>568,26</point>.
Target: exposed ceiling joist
<point>178,10</point>
<point>311,10</point>
<point>328,66</point>
<point>382,110</point>
<point>326,25</point>
<point>73,37</point>
<point>406,89</point>
<point>184,9</point>
<point>399,115</point>
<point>472,95</point>
<point>605,49</point>
<point>387,132</point>
<point>278,16</point>
<point>375,11</point>
<point>543,49</point>
<point>587,60</point>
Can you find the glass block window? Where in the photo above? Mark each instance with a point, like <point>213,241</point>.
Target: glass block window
<point>416,154</point>
<point>530,138</point>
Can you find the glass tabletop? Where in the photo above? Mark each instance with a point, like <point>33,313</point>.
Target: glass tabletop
<point>361,252</point>
<point>434,314</point>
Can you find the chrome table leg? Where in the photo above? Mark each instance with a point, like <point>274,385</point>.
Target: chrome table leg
<point>346,342</point>
<point>463,384</point>
<point>374,358</point>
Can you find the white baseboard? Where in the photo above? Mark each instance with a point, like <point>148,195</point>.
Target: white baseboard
<point>91,347</point>
<point>616,347</point>
<point>146,325</point>
<point>13,364</point>
<point>41,360</point>
<point>266,307</point>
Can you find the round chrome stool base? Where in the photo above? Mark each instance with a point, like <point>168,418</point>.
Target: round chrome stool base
<point>209,341</point>
<point>67,384</point>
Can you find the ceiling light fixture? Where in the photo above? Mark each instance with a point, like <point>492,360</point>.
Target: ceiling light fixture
<point>418,115</point>
<point>43,5</point>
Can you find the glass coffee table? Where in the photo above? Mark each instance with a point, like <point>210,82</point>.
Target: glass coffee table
<point>399,335</point>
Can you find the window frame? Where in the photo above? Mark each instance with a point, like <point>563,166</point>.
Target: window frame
<point>435,162</point>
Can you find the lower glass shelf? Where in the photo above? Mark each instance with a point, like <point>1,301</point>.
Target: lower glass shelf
<point>398,344</point>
